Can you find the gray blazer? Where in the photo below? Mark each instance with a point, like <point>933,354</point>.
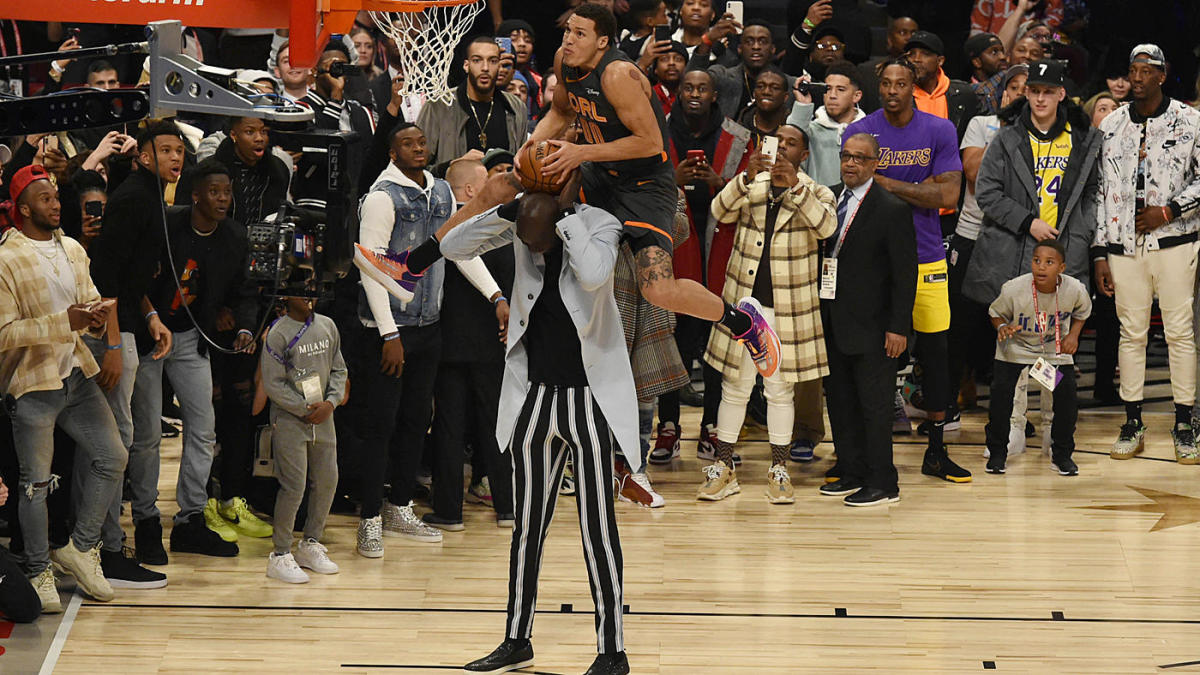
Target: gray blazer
<point>1005,190</point>
<point>590,239</point>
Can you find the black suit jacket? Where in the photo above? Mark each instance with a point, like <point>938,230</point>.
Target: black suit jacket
<point>877,275</point>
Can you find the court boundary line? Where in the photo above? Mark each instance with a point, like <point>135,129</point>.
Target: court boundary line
<point>61,635</point>
<point>836,613</point>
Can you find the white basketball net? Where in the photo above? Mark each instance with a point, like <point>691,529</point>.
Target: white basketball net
<point>426,40</point>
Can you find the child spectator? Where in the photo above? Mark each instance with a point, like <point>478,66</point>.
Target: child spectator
<point>1025,332</point>
<point>305,378</point>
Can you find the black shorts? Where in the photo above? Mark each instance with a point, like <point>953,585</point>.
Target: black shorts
<point>644,203</point>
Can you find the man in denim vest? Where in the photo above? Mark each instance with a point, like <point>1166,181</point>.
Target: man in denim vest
<point>403,208</point>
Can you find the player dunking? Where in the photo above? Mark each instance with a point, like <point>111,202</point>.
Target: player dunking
<point>625,172</point>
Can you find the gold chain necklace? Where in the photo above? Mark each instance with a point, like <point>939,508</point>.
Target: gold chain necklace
<point>52,258</point>
<point>482,127</point>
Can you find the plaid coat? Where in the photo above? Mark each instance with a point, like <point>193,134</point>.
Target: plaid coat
<point>650,330</point>
<point>806,216</point>
<point>28,330</point>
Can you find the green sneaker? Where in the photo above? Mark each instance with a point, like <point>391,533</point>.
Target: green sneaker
<point>216,523</point>
<point>1130,442</point>
<point>237,512</point>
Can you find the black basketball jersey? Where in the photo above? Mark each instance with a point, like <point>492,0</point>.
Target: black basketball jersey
<point>598,119</point>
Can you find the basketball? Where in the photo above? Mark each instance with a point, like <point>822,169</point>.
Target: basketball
<point>529,169</point>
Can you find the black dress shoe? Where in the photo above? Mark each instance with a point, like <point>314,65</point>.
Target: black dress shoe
<point>843,486</point>
<point>870,496</point>
<point>609,664</point>
<point>510,655</point>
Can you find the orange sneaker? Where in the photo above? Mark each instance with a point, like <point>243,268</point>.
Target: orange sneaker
<point>761,339</point>
<point>389,270</point>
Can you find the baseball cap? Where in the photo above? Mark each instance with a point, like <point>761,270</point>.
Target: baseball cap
<point>926,40</point>
<point>1047,71</point>
<point>826,28</point>
<point>1149,53</point>
<point>496,156</point>
<point>980,43</point>
<point>20,181</point>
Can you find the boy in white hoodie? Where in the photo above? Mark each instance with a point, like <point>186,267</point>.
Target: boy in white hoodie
<point>825,127</point>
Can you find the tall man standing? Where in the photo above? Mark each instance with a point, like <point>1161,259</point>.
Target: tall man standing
<point>1146,241</point>
<point>865,312</point>
<point>568,392</point>
<point>919,163</point>
<point>480,117</point>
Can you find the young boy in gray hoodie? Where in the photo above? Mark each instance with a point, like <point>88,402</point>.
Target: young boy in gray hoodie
<point>304,376</point>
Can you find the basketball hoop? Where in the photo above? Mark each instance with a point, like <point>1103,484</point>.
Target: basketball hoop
<point>426,33</point>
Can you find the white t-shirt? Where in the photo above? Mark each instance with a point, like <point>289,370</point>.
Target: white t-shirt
<point>980,132</point>
<point>60,287</point>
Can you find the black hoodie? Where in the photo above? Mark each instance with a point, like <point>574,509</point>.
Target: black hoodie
<point>698,194</point>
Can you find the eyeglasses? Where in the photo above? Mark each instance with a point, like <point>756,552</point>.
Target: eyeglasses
<point>857,159</point>
<point>829,47</point>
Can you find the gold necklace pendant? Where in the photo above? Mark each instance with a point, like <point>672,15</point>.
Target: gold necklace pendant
<point>483,140</point>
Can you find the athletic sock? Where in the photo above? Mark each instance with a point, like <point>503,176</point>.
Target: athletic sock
<point>423,256</point>
<point>1183,414</point>
<point>936,430</point>
<point>724,452</point>
<point>1133,412</point>
<point>737,321</point>
<point>779,454</point>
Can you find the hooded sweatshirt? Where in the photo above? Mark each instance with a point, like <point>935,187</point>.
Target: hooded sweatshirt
<point>824,164</point>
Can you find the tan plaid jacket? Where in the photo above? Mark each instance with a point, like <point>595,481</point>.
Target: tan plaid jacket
<point>806,216</point>
<point>28,330</point>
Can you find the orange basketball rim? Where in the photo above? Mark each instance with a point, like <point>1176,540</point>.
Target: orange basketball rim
<point>310,22</point>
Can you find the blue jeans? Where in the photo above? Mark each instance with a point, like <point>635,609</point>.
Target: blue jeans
<point>191,376</point>
<point>119,401</point>
<point>80,409</point>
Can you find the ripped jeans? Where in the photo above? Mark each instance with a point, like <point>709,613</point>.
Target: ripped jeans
<point>80,409</point>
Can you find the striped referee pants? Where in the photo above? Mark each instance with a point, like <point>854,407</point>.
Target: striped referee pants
<point>554,421</point>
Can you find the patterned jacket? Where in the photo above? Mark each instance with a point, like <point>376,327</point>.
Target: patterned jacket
<point>649,330</point>
<point>1172,167</point>
<point>806,215</point>
<point>28,330</point>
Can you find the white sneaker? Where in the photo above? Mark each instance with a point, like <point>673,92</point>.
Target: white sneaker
<point>47,592</point>
<point>85,567</point>
<point>312,555</point>
<point>284,568</point>
<point>370,537</point>
<point>400,521</point>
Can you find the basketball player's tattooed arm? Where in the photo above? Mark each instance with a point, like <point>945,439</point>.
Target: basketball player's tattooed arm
<point>628,90</point>
<point>935,192</point>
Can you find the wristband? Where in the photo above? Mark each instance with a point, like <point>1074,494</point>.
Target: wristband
<point>390,337</point>
<point>113,348</point>
<point>247,332</point>
<point>809,25</point>
<point>55,68</point>
<point>1166,214</point>
<point>152,313</point>
<point>706,40</point>
<point>498,299</point>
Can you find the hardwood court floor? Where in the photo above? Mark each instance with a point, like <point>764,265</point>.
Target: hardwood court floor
<point>1018,572</point>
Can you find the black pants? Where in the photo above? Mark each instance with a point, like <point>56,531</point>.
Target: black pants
<point>971,336</point>
<point>553,422</point>
<point>19,602</point>
<point>1108,333</point>
<point>467,395</point>
<point>399,410</point>
<point>233,398</point>
<point>858,395</point>
<point>1066,410</point>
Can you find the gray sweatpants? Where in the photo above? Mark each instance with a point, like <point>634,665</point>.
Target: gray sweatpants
<point>304,454</point>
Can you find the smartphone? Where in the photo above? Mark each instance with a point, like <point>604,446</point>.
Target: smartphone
<point>662,33</point>
<point>770,147</point>
<point>341,69</point>
<point>505,44</point>
<point>103,304</point>
<point>697,155</point>
<point>735,8</point>
<point>94,208</point>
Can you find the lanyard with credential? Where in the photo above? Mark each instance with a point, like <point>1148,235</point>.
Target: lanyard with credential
<point>1042,322</point>
<point>846,228</point>
<point>280,358</point>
